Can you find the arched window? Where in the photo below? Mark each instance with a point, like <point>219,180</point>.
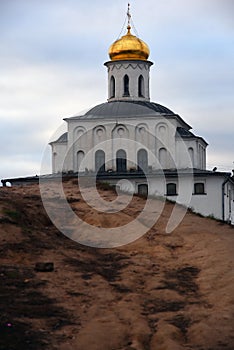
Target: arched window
<point>121,161</point>
<point>112,87</point>
<point>141,86</point>
<point>100,161</point>
<point>142,160</point>
<point>163,157</point>
<point>126,85</point>
<point>191,154</point>
<point>199,188</point>
<point>79,158</point>
<point>171,189</point>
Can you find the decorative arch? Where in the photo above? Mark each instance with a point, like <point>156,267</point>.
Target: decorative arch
<point>162,131</point>
<point>142,127</point>
<point>100,161</point>
<point>120,130</point>
<point>141,86</point>
<point>142,160</point>
<point>121,161</point>
<point>78,132</point>
<point>99,131</point>
<point>112,87</point>
<point>126,86</point>
<point>142,134</point>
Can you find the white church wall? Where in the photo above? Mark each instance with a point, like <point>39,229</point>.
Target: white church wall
<point>157,186</point>
<point>59,161</point>
<point>229,202</point>
<point>165,143</point>
<point>156,135</point>
<point>133,69</point>
<point>210,203</point>
<point>186,154</point>
<point>201,155</point>
<point>207,204</point>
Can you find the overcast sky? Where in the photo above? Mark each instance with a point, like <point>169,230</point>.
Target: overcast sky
<point>51,66</point>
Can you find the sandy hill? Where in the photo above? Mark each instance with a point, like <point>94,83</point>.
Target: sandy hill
<point>162,292</point>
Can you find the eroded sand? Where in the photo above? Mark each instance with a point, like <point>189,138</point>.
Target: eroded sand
<point>162,292</point>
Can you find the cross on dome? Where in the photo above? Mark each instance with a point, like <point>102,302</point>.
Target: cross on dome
<point>129,17</point>
<point>129,47</point>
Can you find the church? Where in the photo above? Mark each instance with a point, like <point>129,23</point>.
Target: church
<point>140,146</point>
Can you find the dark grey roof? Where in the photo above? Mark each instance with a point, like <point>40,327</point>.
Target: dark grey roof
<point>186,134</point>
<point>61,139</point>
<point>127,108</point>
<point>118,109</point>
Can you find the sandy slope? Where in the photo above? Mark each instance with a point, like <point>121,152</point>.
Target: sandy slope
<point>161,292</point>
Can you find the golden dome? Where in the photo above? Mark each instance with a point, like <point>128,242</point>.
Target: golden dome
<point>129,47</point>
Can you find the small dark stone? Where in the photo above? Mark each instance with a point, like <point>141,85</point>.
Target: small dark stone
<point>44,267</point>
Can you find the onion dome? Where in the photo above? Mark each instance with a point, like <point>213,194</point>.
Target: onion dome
<point>129,47</point>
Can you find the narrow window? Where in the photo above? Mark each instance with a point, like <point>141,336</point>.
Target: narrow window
<point>79,158</point>
<point>142,160</point>
<point>121,161</point>
<point>100,161</point>
<point>199,188</point>
<point>163,157</point>
<point>54,162</point>
<point>126,85</point>
<point>171,189</point>
<point>191,153</point>
<point>141,88</point>
<point>112,87</point>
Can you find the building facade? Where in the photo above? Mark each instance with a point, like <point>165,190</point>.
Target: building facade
<point>129,137</point>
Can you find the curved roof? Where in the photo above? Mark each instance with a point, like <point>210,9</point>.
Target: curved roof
<point>127,108</point>
<point>129,47</point>
<point>186,134</point>
<point>61,139</point>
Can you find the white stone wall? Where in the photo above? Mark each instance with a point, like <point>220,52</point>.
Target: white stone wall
<point>59,161</point>
<point>186,154</point>
<point>210,203</point>
<point>118,69</point>
<point>154,134</point>
<point>207,204</point>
